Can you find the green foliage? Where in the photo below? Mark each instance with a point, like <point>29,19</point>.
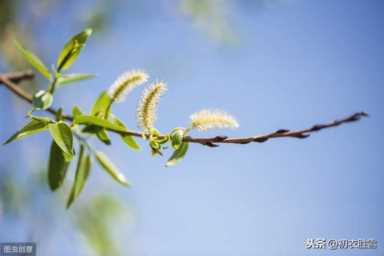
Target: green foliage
<point>42,100</point>
<point>72,49</point>
<point>100,122</point>
<point>82,172</point>
<point>176,137</point>
<point>128,139</point>
<point>34,60</point>
<point>33,127</point>
<point>131,142</point>
<point>100,110</point>
<point>110,168</point>
<point>102,105</point>
<point>178,154</point>
<point>76,111</point>
<point>94,220</point>
<point>62,135</point>
<point>73,78</point>
<point>103,136</point>
<point>57,167</point>
<point>79,129</point>
<point>180,146</point>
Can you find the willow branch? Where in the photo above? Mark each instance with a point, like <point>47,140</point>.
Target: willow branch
<point>10,80</point>
<point>281,133</point>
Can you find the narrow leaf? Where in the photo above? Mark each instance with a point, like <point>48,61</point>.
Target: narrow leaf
<point>57,167</point>
<point>72,78</point>
<point>62,135</point>
<point>41,118</point>
<point>82,172</point>
<point>101,106</point>
<point>110,168</point>
<point>76,111</point>
<point>34,60</point>
<point>100,132</point>
<point>33,127</point>
<point>103,136</point>
<point>178,154</point>
<point>128,139</point>
<point>101,109</point>
<point>131,142</point>
<point>72,49</point>
<point>92,120</point>
<point>91,129</point>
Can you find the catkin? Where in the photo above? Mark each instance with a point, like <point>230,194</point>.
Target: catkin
<point>146,111</point>
<point>210,119</point>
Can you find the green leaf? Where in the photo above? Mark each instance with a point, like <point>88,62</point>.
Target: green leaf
<point>34,60</point>
<point>178,154</point>
<point>33,127</point>
<point>76,111</point>
<point>131,142</point>
<point>91,129</point>
<point>41,118</point>
<point>111,168</point>
<point>155,147</point>
<point>92,120</point>
<point>57,167</point>
<point>59,115</point>
<point>72,78</point>
<point>102,135</point>
<point>154,132</point>
<point>82,172</point>
<point>72,49</point>
<point>42,100</point>
<point>102,105</point>
<point>128,139</point>
<point>62,135</point>
<point>161,139</point>
<point>176,137</point>
<point>101,109</point>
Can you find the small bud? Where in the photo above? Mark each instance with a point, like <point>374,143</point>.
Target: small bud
<point>42,100</point>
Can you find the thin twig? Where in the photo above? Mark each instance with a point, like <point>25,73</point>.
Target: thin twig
<point>9,80</point>
<point>299,134</point>
<point>19,76</point>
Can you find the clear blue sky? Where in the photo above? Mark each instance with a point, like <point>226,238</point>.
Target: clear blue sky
<point>295,64</point>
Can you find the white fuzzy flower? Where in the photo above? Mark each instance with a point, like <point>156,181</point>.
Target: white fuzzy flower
<point>125,83</point>
<point>146,111</point>
<point>210,119</point>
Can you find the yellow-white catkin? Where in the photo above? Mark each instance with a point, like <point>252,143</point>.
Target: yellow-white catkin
<point>210,119</point>
<point>146,111</point>
<point>125,83</point>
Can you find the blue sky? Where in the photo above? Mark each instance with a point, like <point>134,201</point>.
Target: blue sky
<point>295,64</point>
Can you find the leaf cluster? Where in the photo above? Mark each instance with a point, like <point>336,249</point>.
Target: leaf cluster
<point>71,136</point>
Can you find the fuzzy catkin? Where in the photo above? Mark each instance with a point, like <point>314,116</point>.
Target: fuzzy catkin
<point>210,119</point>
<point>125,83</point>
<point>146,111</point>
